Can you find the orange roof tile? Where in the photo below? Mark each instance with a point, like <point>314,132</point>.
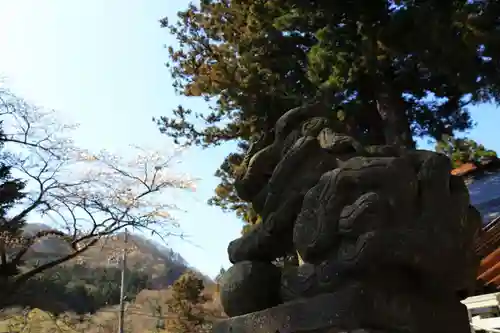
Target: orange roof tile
<point>489,270</point>
<point>488,249</point>
<point>464,169</point>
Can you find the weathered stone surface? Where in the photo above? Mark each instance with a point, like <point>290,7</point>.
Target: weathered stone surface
<point>355,307</point>
<point>386,236</point>
<point>239,283</point>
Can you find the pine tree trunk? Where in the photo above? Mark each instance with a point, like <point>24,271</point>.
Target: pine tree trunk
<point>390,104</point>
<point>392,111</point>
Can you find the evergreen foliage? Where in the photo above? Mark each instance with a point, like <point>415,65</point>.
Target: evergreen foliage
<point>186,304</point>
<point>11,193</point>
<point>390,70</point>
<point>464,150</point>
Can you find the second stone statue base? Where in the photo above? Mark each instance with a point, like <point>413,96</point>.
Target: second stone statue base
<point>356,308</point>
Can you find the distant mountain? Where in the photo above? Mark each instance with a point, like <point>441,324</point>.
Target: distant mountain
<point>160,262</point>
<point>48,246</point>
<point>92,280</point>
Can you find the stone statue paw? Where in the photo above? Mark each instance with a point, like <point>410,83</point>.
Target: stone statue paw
<point>250,286</point>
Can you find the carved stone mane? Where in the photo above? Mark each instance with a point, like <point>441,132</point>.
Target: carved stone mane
<point>386,236</point>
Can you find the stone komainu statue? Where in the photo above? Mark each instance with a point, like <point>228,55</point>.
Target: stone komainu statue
<point>386,236</point>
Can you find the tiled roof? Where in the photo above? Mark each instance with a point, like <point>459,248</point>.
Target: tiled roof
<point>464,169</point>
<point>488,248</point>
<point>489,270</point>
<point>488,245</point>
<point>490,239</point>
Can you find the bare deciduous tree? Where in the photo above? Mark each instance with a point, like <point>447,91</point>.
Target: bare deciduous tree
<point>87,196</point>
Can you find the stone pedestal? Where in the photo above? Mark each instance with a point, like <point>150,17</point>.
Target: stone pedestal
<point>355,309</point>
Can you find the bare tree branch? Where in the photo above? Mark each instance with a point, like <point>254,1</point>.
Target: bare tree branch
<point>87,196</point>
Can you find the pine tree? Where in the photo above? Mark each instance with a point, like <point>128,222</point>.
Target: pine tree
<point>464,150</point>
<point>186,304</point>
<point>393,76</point>
<point>10,230</point>
<point>221,273</point>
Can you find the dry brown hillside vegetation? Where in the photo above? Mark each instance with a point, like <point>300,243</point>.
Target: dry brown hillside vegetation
<point>59,302</point>
<point>147,313</point>
<point>162,263</point>
<point>91,281</point>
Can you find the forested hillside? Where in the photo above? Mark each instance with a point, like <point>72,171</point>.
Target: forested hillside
<point>92,281</point>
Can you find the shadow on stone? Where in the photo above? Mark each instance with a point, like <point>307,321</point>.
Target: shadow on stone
<point>386,237</point>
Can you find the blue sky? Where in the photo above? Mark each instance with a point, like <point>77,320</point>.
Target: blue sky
<point>101,64</point>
